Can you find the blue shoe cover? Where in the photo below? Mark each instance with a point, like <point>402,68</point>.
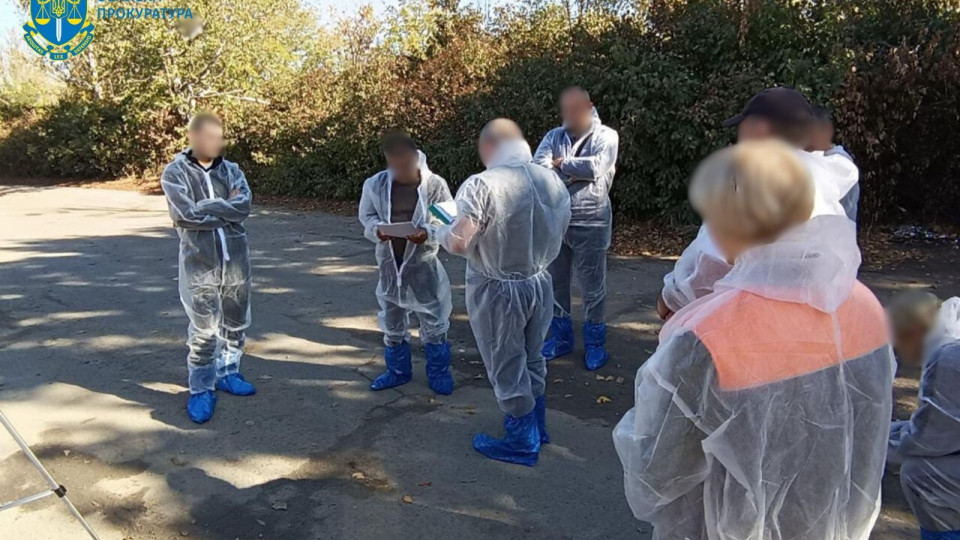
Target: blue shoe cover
<point>399,368</point>
<point>235,384</point>
<point>926,534</point>
<point>541,409</point>
<point>560,342</point>
<point>520,446</point>
<point>200,406</point>
<point>438,368</point>
<point>594,339</point>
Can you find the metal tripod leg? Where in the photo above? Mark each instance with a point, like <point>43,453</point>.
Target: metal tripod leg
<point>55,488</point>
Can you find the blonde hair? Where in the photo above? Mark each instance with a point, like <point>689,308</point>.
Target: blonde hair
<point>753,191</point>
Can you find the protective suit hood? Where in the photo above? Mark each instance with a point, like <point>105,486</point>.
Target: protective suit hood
<point>425,173</point>
<point>833,176</point>
<point>815,263</point>
<point>511,152</point>
<point>947,327</point>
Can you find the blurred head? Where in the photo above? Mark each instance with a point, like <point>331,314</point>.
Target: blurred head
<point>493,134</point>
<point>205,133</point>
<point>822,131</point>
<point>751,193</point>
<point>781,113</point>
<point>403,160</point>
<point>576,109</point>
<point>913,315</point>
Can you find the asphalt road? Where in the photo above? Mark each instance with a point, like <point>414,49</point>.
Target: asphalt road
<point>92,371</point>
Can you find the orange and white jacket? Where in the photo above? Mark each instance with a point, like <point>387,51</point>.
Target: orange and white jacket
<point>764,412</point>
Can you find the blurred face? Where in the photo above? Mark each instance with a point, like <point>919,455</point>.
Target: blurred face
<point>730,246</point>
<point>207,141</point>
<point>403,165</point>
<point>754,128</point>
<point>488,150</point>
<point>576,109</point>
<point>908,344</point>
<point>821,138</point>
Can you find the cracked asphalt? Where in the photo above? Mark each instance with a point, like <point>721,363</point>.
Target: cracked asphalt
<point>92,371</point>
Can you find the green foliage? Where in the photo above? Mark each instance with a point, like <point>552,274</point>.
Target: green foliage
<point>305,105</point>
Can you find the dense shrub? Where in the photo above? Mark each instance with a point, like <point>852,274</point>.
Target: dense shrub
<point>664,73</point>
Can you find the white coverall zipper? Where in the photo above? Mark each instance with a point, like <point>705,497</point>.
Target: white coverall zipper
<point>221,234</point>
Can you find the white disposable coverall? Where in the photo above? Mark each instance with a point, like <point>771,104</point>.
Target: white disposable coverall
<point>510,222</point>
<point>214,263</point>
<point>589,165</point>
<point>764,412</point>
<point>928,445</point>
<point>420,284</point>
<point>701,265</point>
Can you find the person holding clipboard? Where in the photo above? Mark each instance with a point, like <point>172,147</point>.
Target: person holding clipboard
<point>394,211</point>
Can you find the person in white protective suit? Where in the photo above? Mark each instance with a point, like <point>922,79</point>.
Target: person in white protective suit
<point>412,279</point>
<point>509,225</point>
<point>583,152</point>
<point>209,199</point>
<point>821,141</point>
<point>764,411</point>
<point>927,447</point>
<point>775,113</point>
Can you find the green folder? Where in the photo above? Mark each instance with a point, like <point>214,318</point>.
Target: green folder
<point>445,211</point>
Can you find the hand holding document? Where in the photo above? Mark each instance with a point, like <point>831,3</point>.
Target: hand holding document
<point>445,211</point>
<point>397,230</point>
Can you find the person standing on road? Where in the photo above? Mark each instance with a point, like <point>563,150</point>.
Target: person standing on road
<point>209,199</point>
<point>583,152</point>
<point>509,225</point>
<point>764,411</point>
<point>927,447</point>
<point>412,279</point>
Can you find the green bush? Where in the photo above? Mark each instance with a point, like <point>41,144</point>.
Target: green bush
<point>664,74</point>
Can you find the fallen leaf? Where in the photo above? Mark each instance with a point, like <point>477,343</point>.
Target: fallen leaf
<point>358,476</point>
<point>407,499</point>
<point>609,378</point>
<point>568,395</point>
<point>620,380</point>
<point>557,381</point>
<point>603,399</point>
<point>279,505</point>
<point>261,523</point>
<point>66,453</point>
<point>600,378</point>
<point>249,423</point>
<point>264,378</point>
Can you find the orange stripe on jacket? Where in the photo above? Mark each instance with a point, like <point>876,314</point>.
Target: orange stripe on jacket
<point>756,340</point>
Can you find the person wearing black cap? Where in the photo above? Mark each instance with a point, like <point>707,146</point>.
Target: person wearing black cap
<point>779,113</point>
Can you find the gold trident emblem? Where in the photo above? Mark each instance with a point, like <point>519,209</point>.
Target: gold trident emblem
<point>59,8</point>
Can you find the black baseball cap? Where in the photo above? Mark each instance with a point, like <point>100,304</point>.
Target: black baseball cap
<point>780,104</point>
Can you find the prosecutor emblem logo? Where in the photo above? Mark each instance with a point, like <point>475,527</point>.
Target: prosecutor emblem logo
<point>58,27</point>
